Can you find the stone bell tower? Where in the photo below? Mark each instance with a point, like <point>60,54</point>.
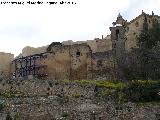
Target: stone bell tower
<point>118,36</point>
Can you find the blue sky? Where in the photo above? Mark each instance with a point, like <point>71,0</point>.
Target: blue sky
<point>39,25</point>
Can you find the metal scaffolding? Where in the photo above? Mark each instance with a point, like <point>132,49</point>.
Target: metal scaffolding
<point>29,65</point>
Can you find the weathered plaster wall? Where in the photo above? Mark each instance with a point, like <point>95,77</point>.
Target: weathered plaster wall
<point>5,63</point>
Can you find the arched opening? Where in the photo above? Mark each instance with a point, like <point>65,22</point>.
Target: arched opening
<point>99,63</point>
<point>78,54</point>
<point>137,24</point>
<point>117,34</point>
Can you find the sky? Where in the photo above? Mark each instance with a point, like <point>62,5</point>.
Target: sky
<point>41,24</point>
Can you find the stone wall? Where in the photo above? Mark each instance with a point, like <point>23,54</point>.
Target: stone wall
<point>74,60</point>
<point>5,63</point>
<point>96,45</point>
<point>68,61</point>
<point>134,28</point>
<point>80,60</point>
<point>31,50</point>
<point>104,66</point>
<point>103,45</point>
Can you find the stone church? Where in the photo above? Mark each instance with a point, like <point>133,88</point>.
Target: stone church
<point>91,59</point>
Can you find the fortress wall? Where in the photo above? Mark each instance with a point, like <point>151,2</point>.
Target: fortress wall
<point>31,50</point>
<point>68,42</point>
<point>96,45</point>
<point>5,63</point>
<point>93,45</point>
<point>80,60</point>
<point>61,63</point>
<point>68,61</point>
<point>135,27</point>
<point>103,45</point>
<point>104,66</point>
<point>132,31</point>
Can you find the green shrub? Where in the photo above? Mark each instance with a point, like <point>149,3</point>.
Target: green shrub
<point>110,84</point>
<point>135,90</point>
<point>50,83</point>
<point>143,90</point>
<point>101,83</point>
<point>76,95</point>
<point>7,94</point>
<point>17,116</point>
<point>2,105</point>
<point>65,114</point>
<point>122,97</point>
<point>8,117</point>
<point>107,93</point>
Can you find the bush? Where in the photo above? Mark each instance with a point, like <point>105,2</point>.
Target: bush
<point>101,83</point>
<point>76,95</point>
<point>2,105</point>
<point>50,83</point>
<point>122,97</point>
<point>134,91</point>
<point>107,93</point>
<point>65,114</point>
<point>143,91</point>
<point>17,116</point>
<point>8,117</point>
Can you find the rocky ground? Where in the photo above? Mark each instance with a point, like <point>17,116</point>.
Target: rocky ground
<point>61,100</point>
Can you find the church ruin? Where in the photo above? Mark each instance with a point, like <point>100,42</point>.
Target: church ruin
<point>91,59</point>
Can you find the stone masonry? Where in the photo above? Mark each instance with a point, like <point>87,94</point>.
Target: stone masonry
<point>91,59</point>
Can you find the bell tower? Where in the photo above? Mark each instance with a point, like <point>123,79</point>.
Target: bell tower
<point>120,20</point>
<point>118,36</point>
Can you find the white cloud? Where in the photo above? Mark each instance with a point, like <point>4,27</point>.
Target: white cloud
<point>38,25</point>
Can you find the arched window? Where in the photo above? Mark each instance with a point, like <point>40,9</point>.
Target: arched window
<point>78,54</point>
<point>99,63</point>
<point>137,24</point>
<point>117,34</point>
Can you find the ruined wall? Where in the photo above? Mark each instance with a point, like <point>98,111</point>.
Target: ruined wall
<point>58,63</point>
<point>92,43</point>
<point>68,61</point>
<point>5,63</point>
<point>31,50</point>
<point>74,60</point>
<point>79,57</point>
<point>103,45</point>
<point>104,66</point>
